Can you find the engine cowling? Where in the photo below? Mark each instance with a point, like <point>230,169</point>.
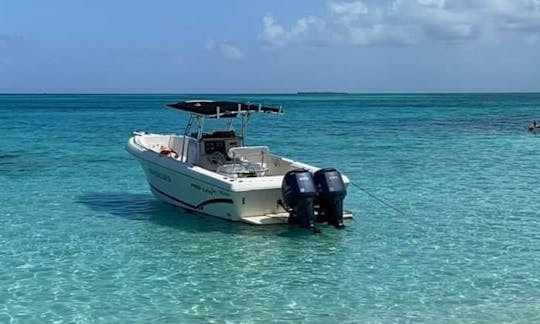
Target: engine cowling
<point>298,193</point>
<point>331,191</point>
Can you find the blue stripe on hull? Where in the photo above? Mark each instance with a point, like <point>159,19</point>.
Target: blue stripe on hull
<point>199,206</point>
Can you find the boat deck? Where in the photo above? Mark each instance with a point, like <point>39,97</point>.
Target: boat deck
<point>279,218</point>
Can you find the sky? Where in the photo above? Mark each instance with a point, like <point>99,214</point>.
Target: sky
<point>269,46</point>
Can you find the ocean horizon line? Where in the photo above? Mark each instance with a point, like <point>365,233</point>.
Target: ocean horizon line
<point>298,93</point>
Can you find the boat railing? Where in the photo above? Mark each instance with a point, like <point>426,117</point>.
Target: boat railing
<point>247,161</point>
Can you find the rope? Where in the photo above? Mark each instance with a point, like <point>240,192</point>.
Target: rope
<point>378,199</point>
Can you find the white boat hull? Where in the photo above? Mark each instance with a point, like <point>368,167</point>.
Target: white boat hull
<point>200,190</point>
<point>252,200</point>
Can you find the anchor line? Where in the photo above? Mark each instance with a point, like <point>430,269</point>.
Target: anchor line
<point>378,199</point>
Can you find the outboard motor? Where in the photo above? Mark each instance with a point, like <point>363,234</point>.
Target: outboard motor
<point>298,192</point>
<point>331,192</point>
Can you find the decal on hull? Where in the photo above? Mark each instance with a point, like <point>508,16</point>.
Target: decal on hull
<point>199,206</point>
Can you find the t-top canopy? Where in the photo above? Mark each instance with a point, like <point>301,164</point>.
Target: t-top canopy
<point>218,109</point>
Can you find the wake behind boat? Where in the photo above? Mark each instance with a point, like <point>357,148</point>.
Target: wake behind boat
<point>215,174</point>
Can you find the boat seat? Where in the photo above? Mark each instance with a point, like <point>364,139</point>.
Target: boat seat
<point>248,161</point>
<point>242,170</point>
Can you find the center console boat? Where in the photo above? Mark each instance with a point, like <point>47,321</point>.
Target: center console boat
<point>214,173</point>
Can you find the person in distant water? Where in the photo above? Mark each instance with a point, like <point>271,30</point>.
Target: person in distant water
<point>167,151</point>
<point>533,127</point>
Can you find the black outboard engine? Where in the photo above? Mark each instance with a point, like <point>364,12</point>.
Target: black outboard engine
<point>298,192</point>
<point>331,192</point>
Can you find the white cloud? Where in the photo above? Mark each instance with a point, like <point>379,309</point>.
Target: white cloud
<point>231,52</point>
<point>347,12</point>
<point>304,30</point>
<point>272,33</point>
<point>409,21</point>
<point>225,49</point>
<point>432,3</point>
<point>521,15</point>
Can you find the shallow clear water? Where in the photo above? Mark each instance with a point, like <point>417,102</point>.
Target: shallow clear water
<point>82,239</point>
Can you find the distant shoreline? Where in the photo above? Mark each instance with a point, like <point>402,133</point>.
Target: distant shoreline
<point>326,93</point>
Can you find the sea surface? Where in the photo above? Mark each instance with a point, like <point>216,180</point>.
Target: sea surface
<point>82,240</point>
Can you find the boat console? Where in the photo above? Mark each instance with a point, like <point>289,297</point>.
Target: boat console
<point>214,148</point>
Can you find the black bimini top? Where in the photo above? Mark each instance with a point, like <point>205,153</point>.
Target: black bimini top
<point>218,109</point>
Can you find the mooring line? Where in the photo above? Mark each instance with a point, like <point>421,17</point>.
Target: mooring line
<point>378,199</point>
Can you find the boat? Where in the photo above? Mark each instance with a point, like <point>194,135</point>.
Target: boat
<point>214,173</point>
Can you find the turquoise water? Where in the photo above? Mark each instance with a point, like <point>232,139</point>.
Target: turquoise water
<point>82,239</point>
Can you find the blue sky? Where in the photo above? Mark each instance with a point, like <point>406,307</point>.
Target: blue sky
<point>269,46</point>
